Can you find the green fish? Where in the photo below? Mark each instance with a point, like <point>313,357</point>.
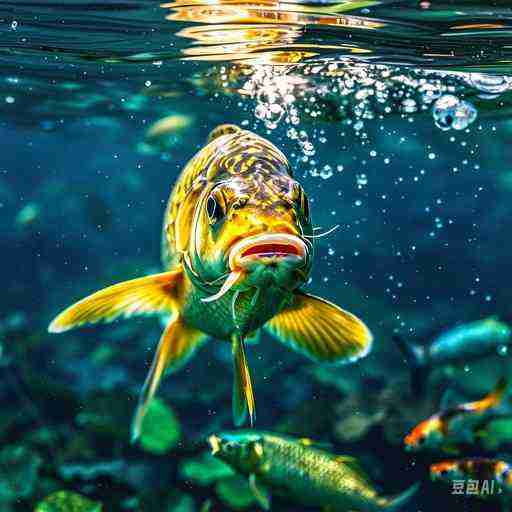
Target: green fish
<point>296,469</point>
<point>464,342</point>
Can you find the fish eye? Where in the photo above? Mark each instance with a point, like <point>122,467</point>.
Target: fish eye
<point>444,472</point>
<point>505,474</point>
<point>214,210</point>
<point>240,202</point>
<point>421,440</point>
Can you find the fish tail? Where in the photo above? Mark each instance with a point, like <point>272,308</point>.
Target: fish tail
<point>500,395</point>
<point>402,499</point>
<point>243,396</point>
<point>415,356</point>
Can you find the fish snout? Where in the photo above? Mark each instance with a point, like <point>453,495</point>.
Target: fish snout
<point>268,249</point>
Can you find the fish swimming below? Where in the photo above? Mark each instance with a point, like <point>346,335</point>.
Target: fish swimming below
<point>460,423</point>
<point>458,345</point>
<point>237,248</point>
<point>298,470</point>
<point>492,476</point>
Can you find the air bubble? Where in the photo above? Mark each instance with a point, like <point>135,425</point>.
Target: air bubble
<point>489,84</point>
<point>450,112</point>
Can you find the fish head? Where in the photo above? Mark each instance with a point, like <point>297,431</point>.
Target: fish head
<point>252,232</point>
<point>501,331</point>
<point>503,474</point>
<point>241,449</point>
<point>447,471</point>
<point>426,435</point>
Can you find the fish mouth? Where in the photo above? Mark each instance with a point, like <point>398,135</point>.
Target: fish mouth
<point>214,442</point>
<point>264,247</point>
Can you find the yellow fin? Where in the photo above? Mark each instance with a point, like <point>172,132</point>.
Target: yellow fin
<point>321,330</point>
<point>142,296</point>
<point>176,346</point>
<point>243,396</point>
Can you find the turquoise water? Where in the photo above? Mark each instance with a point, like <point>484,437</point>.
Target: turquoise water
<point>395,117</point>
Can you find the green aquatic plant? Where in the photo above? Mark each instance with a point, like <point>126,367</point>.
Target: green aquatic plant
<point>65,501</point>
<point>205,470</point>
<point>235,492</point>
<point>181,503</point>
<point>160,431</point>
<point>19,469</point>
<point>496,433</point>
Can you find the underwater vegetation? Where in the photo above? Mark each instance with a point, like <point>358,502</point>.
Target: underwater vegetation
<point>313,156</point>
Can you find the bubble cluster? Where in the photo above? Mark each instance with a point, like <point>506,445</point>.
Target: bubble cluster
<point>450,112</point>
<point>274,92</point>
<point>354,94</point>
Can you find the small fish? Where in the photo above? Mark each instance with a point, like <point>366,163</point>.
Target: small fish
<point>497,473</point>
<point>165,134</point>
<point>462,343</point>
<point>237,247</point>
<point>459,424</point>
<point>168,125</point>
<point>298,470</point>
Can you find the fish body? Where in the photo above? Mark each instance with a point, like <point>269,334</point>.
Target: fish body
<point>237,247</point>
<point>458,345</point>
<point>296,469</point>
<point>460,423</point>
<point>494,474</point>
<point>469,341</point>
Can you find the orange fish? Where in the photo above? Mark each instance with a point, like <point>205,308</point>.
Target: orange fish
<point>237,248</point>
<point>460,423</point>
<point>492,476</point>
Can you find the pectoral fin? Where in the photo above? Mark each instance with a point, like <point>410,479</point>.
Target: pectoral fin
<point>142,296</point>
<point>243,397</point>
<point>321,330</point>
<point>260,492</point>
<point>177,345</point>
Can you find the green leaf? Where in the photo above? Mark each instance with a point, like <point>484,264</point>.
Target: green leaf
<point>65,501</point>
<point>204,470</point>
<point>160,429</point>
<point>19,469</point>
<point>235,492</point>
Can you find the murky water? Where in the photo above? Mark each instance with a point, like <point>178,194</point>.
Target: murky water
<point>395,117</point>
